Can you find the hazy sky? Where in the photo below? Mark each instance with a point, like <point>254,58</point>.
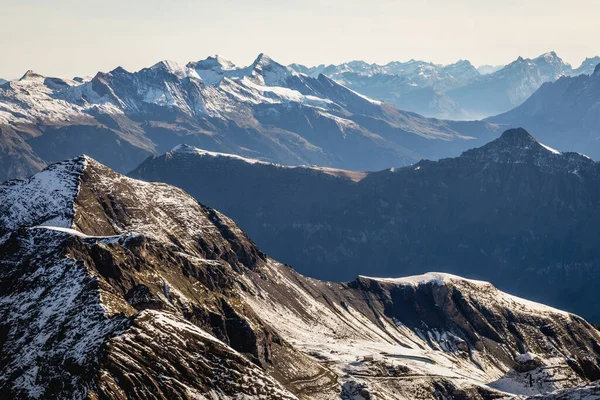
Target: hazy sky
<point>80,37</point>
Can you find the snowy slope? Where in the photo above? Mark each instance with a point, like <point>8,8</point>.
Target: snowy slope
<point>264,110</point>
<point>367,332</point>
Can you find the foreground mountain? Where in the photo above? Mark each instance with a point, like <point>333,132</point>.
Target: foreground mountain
<point>564,114</point>
<point>513,212</point>
<point>265,111</point>
<point>455,91</point>
<point>116,288</point>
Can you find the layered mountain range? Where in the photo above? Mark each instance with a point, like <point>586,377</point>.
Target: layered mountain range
<point>514,212</point>
<point>455,91</point>
<point>117,288</point>
<point>266,111</point>
<point>566,113</point>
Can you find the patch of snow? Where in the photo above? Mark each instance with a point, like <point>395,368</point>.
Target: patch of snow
<point>185,149</point>
<point>550,149</point>
<point>73,232</point>
<point>526,357</point>
<point>45,198</point>
<point>436,278</point>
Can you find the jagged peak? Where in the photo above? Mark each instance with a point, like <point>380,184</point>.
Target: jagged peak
<point>520,138</point>
<point>462,62</point>
<point>167,65</point>
<point>269,72</point>
<point>517,146</point>
<point>173,68</point>
<point>116,71</point>
<point>213,62</point>
<point>264,61</point>
<point>361,63</point>
<point>551,55</point>
<point>517,135</point>
<point>82,79</point>
<point>31,75</point>
<point>588,59</point>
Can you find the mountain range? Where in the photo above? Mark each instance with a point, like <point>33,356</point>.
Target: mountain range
<point>266,111</point>
<point>566,113</point>
<point>514,212</point>
<point>455,91</point>
<point>117,288</point>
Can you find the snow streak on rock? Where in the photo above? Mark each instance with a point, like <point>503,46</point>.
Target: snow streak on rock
<point>47,198</point>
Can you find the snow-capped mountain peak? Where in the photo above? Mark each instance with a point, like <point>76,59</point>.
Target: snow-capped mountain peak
<point>552,66</point>
<point>172,67</point>
<point>31,75</point>
<point>223,62</point>
<point>550,56</point>
<point>264,60</point>
<point>215,63</point>
<point>213,69</point>
<point>264,70</point>
<point>267,71</point>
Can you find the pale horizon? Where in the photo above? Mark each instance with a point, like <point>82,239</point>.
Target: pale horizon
<point>69,38</point>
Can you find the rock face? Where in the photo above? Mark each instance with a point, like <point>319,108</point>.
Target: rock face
<point>116,288</point>
<point>514,212</point>
<point>564,114</point>
<point>265,110</point>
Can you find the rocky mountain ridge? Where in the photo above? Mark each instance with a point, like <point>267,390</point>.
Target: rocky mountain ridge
<point>512,208</point>
<point>454,91</point>
<point>113,287</point>
<point>265,110</point>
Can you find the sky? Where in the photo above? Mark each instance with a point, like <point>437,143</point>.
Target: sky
<point>80,37</point>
